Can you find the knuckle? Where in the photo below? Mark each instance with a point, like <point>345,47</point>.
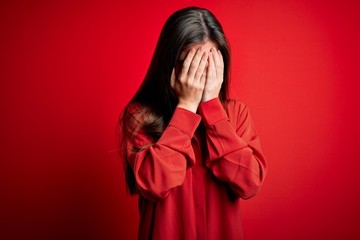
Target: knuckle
<point>187,83</point>
<point>182,79</point>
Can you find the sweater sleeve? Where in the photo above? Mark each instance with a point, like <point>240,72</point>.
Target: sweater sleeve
<point>235,154</point>
<point>160,166</point>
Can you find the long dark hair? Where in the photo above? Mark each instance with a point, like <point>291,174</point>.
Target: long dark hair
<point>155,96</point>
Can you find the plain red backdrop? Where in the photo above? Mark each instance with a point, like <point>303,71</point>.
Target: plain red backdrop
<point>69,67</point>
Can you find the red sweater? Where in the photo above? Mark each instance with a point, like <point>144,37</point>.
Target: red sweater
<point>191,180</point>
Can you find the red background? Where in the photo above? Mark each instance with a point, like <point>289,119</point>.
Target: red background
<point>68,68</point>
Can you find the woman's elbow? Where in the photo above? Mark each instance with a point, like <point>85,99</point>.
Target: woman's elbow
<point>247,188</point>
<point>153,194</point>
<point>158,188</point>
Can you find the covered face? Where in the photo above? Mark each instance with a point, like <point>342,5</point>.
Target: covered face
<point>207,45</point>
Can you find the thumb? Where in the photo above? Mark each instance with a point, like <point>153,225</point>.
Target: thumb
<point>172,79</point>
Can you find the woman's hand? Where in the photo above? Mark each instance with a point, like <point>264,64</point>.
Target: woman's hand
<point>190,83</point>
<point>214,75</point>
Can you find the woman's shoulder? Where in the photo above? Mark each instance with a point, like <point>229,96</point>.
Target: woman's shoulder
<point>237,111</point>
<point>133,114</point>
<point>133,107</point>
<point>235,105</point>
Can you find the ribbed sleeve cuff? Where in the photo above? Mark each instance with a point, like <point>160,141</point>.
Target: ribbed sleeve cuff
<point>185,120</point>
<point>212,111</point>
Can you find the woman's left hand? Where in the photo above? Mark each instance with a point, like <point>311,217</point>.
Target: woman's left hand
<point>214,75</point>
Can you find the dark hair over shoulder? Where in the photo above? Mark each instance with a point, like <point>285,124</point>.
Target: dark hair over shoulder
<point>155,96</point>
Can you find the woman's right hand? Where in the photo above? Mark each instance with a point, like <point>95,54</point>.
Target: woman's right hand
<point>189,84</point>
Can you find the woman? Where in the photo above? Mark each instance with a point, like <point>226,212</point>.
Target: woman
<point>190,152</point>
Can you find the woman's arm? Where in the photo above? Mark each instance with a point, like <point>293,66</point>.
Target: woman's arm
<point>235,154</point>
<point>160,166</point>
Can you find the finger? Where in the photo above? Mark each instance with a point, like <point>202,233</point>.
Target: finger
<point>203,78</point>
<point>216,58</point>
<point>202,65</point>
<point>195,62</point>
<point>211,67</point>
<point>221,57</point>
<point>186,64</point>
<point>172,78</point>
<point>221,65</point>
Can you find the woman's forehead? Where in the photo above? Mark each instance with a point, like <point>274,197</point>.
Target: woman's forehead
<point>207,45</point>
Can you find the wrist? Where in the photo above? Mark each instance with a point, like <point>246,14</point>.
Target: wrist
<point>208,97</point>
<point>212,111</point>
<point>188,106</point>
